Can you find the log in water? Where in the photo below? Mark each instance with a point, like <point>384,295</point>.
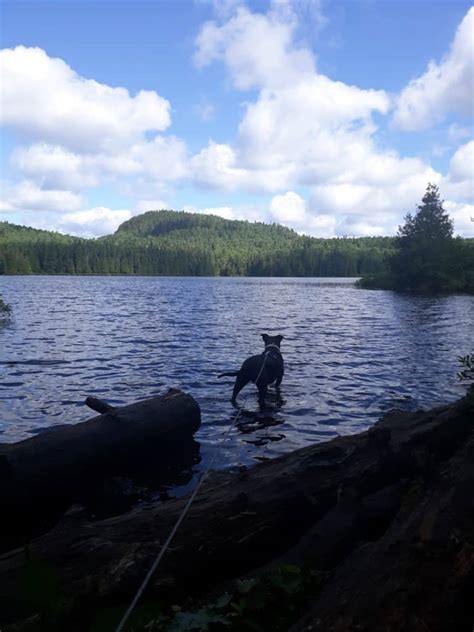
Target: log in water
<point>379,512</point>
<point>40,476</point>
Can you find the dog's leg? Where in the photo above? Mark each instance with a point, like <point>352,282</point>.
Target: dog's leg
<point>262,389</point>
<point>240,382</point>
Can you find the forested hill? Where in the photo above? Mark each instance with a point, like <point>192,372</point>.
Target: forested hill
<point>179,243</point>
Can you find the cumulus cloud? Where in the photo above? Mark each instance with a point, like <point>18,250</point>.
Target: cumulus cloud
<point>309,125</point>
<point>239,44</point>
<point>160,159</point>
<point>458,184</point>
<point>304,130</point>
<point>462,214</point>
<point>292,210</point>
<point>142,206</point>
<point>462,163</point>
<point>302,124</point>
<point>226,212</point>
<point>289,208</point>
<point>301,135</point>
<point>55,167</point>
<point>27,195</point>
<point>45,99</point>
<point>85,134</point>
<point>217,166</point>
<point>447,86</point>
<point>93,222</point>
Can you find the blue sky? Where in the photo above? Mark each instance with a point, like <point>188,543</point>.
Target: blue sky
<point>329,117</point>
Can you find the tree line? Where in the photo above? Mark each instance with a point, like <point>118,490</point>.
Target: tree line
<point>178,243</point>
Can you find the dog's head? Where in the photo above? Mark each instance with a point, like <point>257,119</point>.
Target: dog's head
<point>272,340</point>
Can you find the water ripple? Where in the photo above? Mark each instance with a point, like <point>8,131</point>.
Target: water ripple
<point>350,354</point>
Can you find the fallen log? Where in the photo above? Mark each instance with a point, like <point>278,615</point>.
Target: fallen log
<point>320,506</point>
<point>41,476</point>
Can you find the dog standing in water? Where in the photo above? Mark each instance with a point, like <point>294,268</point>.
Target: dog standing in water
<point>262,370</point>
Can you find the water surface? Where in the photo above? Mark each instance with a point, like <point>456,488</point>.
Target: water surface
<point>350,354</point>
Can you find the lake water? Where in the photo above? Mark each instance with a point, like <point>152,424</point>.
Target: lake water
<point>350,354</point>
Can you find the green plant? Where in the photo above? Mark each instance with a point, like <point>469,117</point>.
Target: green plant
<point>466,372</point>
<point>271,601</point>
<point>41,591</point>
<point>4,307</point>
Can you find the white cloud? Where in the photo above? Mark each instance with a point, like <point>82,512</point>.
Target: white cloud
<point>160,160</point>
<point>26,195</point>
<point>257,49</point>
<point>88,134</point>
<point>216,167</point>
<point>55,167</point>
<point>447,86</point>
<point>458,185</point>
<point>93,222</point>
<point>292,210</point>
<point>45,99</point>
<point>360,227</point>
<point>304,129</point>
<point>302,133</point>
<point>461,166</point>
<point>142,206</point>
<point>309,123</point>
<point>226,212</point>
<point>288,209</point>
<point>462,214</point>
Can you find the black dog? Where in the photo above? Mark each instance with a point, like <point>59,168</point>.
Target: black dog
<point>262,370</point>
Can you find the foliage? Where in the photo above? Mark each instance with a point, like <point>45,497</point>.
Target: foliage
<point>427,257</point>
<point>466,369</point>
<point>4,307</point>
<point>272,601</point>
<point>178,243</point>
<point>40,588</point>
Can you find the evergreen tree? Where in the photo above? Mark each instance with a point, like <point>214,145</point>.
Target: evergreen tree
<point>179,243</point>
<point>425,248</point>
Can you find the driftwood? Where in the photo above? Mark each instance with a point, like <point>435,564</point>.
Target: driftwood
<point>41,476</point>
<point>387,513</point>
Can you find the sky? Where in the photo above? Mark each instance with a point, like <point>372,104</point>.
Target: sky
<point>330,117</point>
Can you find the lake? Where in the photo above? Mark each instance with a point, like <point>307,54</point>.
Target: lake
<point>350,354</point>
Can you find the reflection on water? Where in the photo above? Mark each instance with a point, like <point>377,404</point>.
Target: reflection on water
<point>349,354</point>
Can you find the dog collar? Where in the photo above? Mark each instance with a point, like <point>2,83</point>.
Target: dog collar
<point>272,346</point>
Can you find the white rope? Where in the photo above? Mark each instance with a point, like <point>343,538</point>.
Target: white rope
<point>165,546</point>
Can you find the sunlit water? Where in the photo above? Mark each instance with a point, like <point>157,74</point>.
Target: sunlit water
<point>350,354</point>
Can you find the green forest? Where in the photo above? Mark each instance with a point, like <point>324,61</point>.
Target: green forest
<point>177,243</point>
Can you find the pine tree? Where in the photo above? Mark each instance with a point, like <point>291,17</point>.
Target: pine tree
<point>425,247</point>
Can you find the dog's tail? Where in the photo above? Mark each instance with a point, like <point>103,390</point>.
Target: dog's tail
<point>229,374</point>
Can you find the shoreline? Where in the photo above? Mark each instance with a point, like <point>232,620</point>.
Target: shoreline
<point>350,508</point>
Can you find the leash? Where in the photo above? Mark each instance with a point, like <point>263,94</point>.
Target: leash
<point>181,517</point>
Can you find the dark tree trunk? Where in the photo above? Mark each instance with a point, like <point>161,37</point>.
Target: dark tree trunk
<point>41,476</point>
<point>370,497</point>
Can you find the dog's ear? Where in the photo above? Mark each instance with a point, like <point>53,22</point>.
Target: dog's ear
<point>280,337</point>
<point>265,337</point>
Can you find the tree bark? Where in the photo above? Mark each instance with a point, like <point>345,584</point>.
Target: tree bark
<point>41,476</point>
<point>319,506</point>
